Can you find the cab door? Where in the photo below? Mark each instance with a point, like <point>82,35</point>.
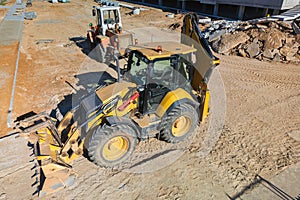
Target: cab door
<point>161,80</point>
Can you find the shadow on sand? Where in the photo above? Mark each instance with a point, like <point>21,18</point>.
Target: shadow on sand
<point>94,53</point>
<point>88,83</point>
<point>260,181</point>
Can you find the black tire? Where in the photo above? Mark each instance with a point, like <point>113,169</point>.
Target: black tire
<point>91,45</point>
<point>185,116</point>
<point>102,145</point>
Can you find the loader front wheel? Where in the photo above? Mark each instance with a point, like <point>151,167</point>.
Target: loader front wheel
<point>112,146</point>
<point>179,123</point>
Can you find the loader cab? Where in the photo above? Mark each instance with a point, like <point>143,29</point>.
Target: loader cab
<point>157,72</point>
<point>107,18</point>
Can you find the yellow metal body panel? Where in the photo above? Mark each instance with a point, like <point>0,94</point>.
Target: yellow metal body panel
<point>108,94</point>
<point>168,49</point>
<point>65,122</point>
<point>206,105</point>
<point>48,146</point>
<point>170,98</point>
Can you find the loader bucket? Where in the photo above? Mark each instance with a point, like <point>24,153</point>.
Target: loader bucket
<point>56,178</point>
<point>52,154</point>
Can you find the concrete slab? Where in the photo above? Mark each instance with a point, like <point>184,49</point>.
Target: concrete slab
<point>10,31</point>
<point>285,185</point>
<point>149,34</point>
<point>12,25</point>
<point>16,12</point>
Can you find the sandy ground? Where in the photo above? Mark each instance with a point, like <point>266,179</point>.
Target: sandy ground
<point>262,108</point>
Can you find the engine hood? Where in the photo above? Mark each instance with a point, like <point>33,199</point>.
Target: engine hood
<point>109,92</point>
<point>92,105</point>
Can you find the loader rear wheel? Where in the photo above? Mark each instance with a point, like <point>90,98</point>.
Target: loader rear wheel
<point>111,146</point>
<point>179,124</point>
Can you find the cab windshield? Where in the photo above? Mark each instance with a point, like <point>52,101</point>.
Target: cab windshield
<point>137,69</point>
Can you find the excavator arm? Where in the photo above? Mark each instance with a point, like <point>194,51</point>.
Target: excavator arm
<point>205,60</point>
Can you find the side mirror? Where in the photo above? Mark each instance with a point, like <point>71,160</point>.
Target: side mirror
<point>94,12</point>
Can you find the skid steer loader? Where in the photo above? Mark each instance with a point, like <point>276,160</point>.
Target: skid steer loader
<point>108,36</point>
<point>161,93</point>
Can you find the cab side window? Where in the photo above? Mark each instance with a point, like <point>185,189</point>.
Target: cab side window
<point>162,73</point>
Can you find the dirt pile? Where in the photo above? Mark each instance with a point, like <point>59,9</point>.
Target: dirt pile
<point>264,40</point>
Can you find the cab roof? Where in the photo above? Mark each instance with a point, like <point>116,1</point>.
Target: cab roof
<point>150,50</point>
<point>107,7</point>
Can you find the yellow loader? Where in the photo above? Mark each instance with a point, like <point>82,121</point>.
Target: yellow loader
<point>161,92</point>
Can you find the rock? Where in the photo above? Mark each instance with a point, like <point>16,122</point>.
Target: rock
<point>215,45</point>
<point>296,28</point>
<point>256,40</point>
<point>291,55</point>
<point>297,58</point>
<point>253,49</point>
<point>275,51</point>
<point>205,20</point>
<point>273,25</point>
<point>277,57</point>
<point>284,24</point>
<point>216,26</point>
<point>284,50</point>
<point>206,35</point>
<point>268,54</point>
<point>211,28</point>
<point>254,33</point>
<point>244,28</point>
<point>298,38</point>
<point>216,35</point>
<point>229,41</point>
<point>170,15</point>
<point>242,52</point>
<point>259,57</point>
<point>289,52</point>
<point>289,41</point>
<point>261,45</point>
<point>30,15</point>
<point>273,39</point>
<point>261,26</point>
<point>263,40</point>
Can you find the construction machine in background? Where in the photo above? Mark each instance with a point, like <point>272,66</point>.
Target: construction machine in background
<point>161,92</point>
<point>108,36</point>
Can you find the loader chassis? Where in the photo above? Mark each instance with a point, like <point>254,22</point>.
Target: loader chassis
<point>108,36</point>
<point>159,95</point>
